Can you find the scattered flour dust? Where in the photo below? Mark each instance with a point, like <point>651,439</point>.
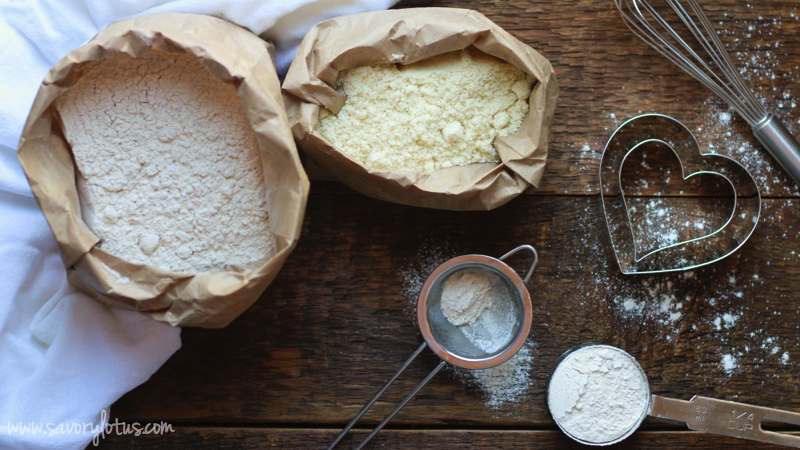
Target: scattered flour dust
<point>770,62</point>
<point>656,300</point>
<point>717,135</point>
<point>761,347</point>
<point>729,363</point>
<point>770,70</point>
<point>726,321</point>
<point>504,384</point>
<point>669,305</point>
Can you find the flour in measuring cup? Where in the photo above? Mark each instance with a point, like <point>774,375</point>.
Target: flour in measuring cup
<point>598,394</point>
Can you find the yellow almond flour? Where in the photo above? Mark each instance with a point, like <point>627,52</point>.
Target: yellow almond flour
<point>437,113</point>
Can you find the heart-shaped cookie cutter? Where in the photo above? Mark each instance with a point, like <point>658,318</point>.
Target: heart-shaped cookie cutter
<point>658,129</point>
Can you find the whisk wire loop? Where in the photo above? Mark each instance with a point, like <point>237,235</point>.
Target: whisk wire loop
<point>715,70</point>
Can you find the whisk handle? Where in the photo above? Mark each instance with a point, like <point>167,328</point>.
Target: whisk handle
<point>780,143</point>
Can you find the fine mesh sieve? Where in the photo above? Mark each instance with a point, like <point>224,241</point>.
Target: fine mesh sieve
<point>448,341</point>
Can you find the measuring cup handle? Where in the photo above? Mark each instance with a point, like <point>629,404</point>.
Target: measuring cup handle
<point>378,395</point>
<point>727,418</point>
<point>533,264</point>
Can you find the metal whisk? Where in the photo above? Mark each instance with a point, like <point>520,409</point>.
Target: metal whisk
<point>716,70</point>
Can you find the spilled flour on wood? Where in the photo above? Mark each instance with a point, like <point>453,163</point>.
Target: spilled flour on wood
<point>506,383</point>
<point>675,306</point>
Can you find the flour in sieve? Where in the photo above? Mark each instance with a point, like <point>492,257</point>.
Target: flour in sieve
<point>598,394</point>
<point>481,308</point>
<point>494,329</point>
<point>465,296</point>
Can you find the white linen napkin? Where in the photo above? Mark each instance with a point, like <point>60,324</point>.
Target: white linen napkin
<point>64,358</point>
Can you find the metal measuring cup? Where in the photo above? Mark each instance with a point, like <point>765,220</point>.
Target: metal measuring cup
<point>446,340</point>
<point>700,413</point>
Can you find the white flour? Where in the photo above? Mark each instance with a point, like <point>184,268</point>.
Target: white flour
<point>729,363</point>
<point>494,329</point>
<point>481,308</point>
<point>506,383</point>
<point>465,296</point>
<point>597,394</point>
<point>169,171</point>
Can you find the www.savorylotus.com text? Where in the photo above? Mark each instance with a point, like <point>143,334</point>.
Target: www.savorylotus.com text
<point>100,431</point>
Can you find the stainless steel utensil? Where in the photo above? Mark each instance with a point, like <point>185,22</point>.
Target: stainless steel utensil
<point>715,70</point>
<point>660,130</point>
<point>446,339</point>
<point>700,413</point>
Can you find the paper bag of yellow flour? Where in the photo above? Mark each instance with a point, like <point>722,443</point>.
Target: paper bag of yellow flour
<point>404,37</point>
<point>236,57</point>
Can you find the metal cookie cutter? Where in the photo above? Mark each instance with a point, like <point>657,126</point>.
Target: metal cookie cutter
<point>657,129</point>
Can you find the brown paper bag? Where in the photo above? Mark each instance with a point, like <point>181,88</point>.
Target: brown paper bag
<point>235,56</point>
<point>406,36</point>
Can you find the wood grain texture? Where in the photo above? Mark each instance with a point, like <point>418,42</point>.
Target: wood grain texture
<point>288,439</point>
<point>338,320</point>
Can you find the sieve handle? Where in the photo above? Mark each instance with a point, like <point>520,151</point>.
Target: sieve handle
<point>378,395</point>
<point>727,418</point>
<point>533,264</point>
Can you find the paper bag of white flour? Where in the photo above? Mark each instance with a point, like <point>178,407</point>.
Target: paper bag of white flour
<point>404,37</point>
<point>238,61</point>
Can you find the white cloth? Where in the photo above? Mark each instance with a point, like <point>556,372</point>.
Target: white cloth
<point>63,356</point>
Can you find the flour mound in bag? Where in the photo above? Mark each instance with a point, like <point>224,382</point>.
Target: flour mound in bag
<point>169,170</point>
<point>441,112</point>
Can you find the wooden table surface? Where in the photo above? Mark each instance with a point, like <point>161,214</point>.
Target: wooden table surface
<point>338,320</point>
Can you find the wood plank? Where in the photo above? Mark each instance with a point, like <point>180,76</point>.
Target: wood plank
<point>339,318</point>
<point>287,439</point>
